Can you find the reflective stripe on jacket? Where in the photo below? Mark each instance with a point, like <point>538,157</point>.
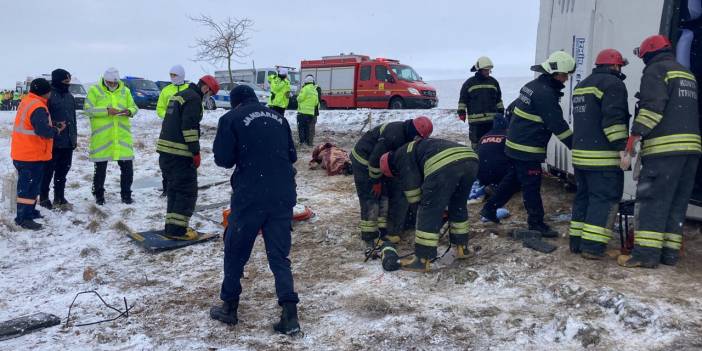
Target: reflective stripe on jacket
<point>26,144</point>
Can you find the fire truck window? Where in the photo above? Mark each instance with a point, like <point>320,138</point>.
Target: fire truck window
<point>366,73</point>
<point>260,77</point>
<point>381,73</point>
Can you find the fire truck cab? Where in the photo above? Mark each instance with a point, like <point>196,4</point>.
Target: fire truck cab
<point>351,81</point>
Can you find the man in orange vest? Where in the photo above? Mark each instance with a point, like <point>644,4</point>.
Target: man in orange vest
<point>32,142</point>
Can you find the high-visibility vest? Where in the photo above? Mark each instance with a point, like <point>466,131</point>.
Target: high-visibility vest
<point>111,136</point>
<point>26,144</point>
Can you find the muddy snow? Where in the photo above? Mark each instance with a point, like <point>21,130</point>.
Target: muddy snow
<point>504,297</point>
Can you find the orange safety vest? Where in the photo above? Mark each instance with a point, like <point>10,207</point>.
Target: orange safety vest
<point>26,145</point>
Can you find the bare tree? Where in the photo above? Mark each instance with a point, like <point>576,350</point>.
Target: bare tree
<point>228,40</point>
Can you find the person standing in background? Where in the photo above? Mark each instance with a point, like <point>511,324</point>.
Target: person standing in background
<point>177,85</point>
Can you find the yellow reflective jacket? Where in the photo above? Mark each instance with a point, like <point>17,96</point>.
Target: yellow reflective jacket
<point>111,136</point>
<point>165,96</point>
<point>280,91</point>
<point>307,99</point>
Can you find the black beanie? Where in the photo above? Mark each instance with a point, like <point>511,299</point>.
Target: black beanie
<point>40,86</point>
<point>58,75</point>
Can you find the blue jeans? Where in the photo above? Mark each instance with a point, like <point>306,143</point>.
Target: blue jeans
<point>241,233</point>
<point>29,178</point>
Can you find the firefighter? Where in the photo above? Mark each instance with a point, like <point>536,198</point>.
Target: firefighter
<point>177,74</point>
<point>178,147</point>
<point>667,124</point>
<point>307,103</point>
<point>536,116</point>
<point>31,146</point>
<point>365,160</point>
<point>494,164</point>
<point>436,174</point>
<point>600,130</point>
<point>258,142</point>
<point>480,100</point>
<point>280,91</point>
<point>110,107</point>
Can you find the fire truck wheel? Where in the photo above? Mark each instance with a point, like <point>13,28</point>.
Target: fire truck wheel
<point>397,103</point>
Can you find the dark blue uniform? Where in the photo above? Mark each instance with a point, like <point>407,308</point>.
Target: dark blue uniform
<point>494,164</point>
<point>258,143</point>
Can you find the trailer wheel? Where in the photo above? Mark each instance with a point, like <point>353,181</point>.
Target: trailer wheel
<point>397,103</point>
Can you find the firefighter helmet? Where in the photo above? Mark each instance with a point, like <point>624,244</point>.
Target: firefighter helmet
<point>211,83</point>
<point>651,44</point>
<point>611,57</point>
<point>484,62</point>
<point>558,62</point>
<point>385,165</point>
<point>423,126</point>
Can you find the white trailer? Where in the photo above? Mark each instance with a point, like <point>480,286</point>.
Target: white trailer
<point>585,27</point>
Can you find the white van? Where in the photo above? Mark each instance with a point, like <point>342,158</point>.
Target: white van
<point>585,27</point>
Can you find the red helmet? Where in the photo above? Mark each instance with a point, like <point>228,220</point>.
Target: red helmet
<point>423,126</point>
<point>211,82</point>
<point>611,57</point>
<point>385,165</point>
<point>651,44</point>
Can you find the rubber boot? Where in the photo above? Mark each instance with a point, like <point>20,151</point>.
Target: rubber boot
<point>226,313</point>
<point>62,204</point>
<point>393,239</point>
<point>575,244</point>
<point>127,198</point>
<point>288,324</point>
<point>190,234</point>
<point>462,252</point>
<point>46,203</point>
<point>643,257</point>
<point>670,257</point>
<point>389,257</point>
<point>416,264</point>
<point>592,250</point>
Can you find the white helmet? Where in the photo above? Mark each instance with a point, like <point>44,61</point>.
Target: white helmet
<point>484,62</point>
<point>558,62</point>
<point>111,75</point>
<point>282,71</point>
<point>309,79</point>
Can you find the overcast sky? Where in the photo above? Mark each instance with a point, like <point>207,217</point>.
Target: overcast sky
<point>441,39</point>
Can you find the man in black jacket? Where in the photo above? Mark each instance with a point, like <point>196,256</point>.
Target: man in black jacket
<point>537,115</point>
<point>494,164</point>
<point>365,160</point>
<point>600,130</point>
<point>258,142</point>
<point>480,100</point>
<point>179,155</point>
<point>667,123</point>
<point>62,108</point>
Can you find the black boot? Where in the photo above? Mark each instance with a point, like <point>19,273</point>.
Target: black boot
<point>546,231</point>
<point>575,244</point>
<point>670,257</point>
<point>100,198</point>
<point>288,324</point>
<point>29,224</point>
<point>45,203</point>
<point>490,215</point>
<point>127,198</point>
<point>592,250</point>
<point>226,313</point>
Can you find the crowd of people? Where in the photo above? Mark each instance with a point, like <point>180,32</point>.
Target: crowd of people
<point>10,99</point>
<point>396,165</point>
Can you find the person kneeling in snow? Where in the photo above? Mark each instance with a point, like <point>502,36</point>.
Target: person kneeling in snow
<point>437,174</point>
<point>258,141</point>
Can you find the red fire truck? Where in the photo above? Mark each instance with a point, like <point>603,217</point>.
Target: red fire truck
<point>351,81</point>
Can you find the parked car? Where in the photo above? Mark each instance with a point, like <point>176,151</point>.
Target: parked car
<point>144,92</point>
<point>79,94</point>
<point>221,100</point>
<point>162,84</point>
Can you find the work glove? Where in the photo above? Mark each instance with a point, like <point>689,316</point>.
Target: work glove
<point>377,190</point>
<point>624,160</point>
<point>462,115</point>
<point>196,160</point>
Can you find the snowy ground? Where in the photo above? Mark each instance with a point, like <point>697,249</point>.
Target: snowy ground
<point>505,297</point>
